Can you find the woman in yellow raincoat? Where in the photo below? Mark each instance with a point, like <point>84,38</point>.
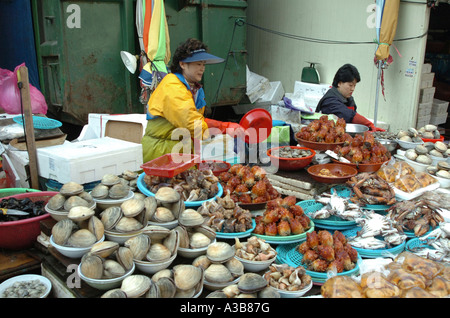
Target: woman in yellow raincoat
<point>176,108</point>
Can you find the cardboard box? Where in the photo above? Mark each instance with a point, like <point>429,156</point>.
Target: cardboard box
<point>89,160</point>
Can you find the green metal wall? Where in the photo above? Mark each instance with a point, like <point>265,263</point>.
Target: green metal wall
<point>78,45</point>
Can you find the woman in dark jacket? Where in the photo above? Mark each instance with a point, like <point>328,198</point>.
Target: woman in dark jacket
<point>338,99</point>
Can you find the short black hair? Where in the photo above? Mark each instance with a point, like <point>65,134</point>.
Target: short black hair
<point>185,50</point>
<point>346,73</point>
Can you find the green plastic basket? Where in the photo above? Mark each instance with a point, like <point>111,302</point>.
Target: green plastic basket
<point>13,191</point>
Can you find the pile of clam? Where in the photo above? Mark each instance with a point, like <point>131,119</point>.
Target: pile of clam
<point>219,264</point>
<point>165,206</point>
<point>106,260</point>
<point>130,216</point>
<point>441,169</point>
<point>251,285</point>
<point>155,245</point>
<point>410,135</point>
<point>70,195</point>
<point>133,286</point>
<point>80,229</point>
<point>111,187</point>
<point>288,278</point>
<point>429,132</point>
<point>427,152</point>
<point>255,249</point>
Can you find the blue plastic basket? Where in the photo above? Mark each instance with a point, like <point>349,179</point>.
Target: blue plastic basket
<point>345,192</point>
<point>381,252</point>
<point>331,223</point>
<point>289,239</point>
<point>237,234</point>
<point>40,122</point>
<point>416,244</point>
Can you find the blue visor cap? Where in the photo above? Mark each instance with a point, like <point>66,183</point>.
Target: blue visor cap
<point>202,55</point>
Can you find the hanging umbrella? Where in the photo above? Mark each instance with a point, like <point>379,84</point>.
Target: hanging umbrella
<point>386,26</point>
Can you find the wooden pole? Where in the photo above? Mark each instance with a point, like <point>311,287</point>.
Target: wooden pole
<point>24,85</point>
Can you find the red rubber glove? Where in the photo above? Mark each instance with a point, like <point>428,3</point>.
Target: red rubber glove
<point>230,128</point>
<point>359,119</point>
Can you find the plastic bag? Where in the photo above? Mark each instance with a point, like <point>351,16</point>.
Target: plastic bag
<point>10,94</point>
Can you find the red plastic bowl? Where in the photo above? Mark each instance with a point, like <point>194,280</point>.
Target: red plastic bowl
<point>260,121</point>
<point>216,166</point>
<point>433,140</point>
<point>363,167</point>
<point>290,164</point>
<point>334,168</point>
<point>17,235</point>
<point>170,164</point>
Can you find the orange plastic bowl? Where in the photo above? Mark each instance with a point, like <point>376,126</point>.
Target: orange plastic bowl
<point>290,164</point>
<point>342,172</point>
<point>258,123</point>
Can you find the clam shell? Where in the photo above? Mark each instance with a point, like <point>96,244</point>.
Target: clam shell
<point>172,242</point>
<point>104,249</point>
<point>428,135</point>
<point>74,201</point>
<point>202,261</point>
<point>132,207</point>
<point>251,283</point>
<point>411,154</point>
<point>421,150</point>
<point>424,159</point>
<point>56,202</point>
<point>430,127</point>
<point>163,215</point>
<point>190,217</point>
<point>268,292</point>
<point>158,252</point>
<point>187,276</point>
<point>139,246</point>
<point>401,134</point>
<point>86,196</point>
<point>92,266</point>
<point>100,191</point>
<point>166,287</point>
<point>118,191</point>
<point>443,174</point>
<point>183,236</point>
<point>111,216</point>
<point>81,238</point>
<point>406,138</point>
<point>62,230</point>
<point>443,165</point>
<point>114,293</point>
<point>218,273</point>
<point>128,225</point>
<point>440,146</point>
<point>429,145</point>
<point>217,294</point>
<point>167,195</point>
<point>199,240</point>
<point>96,226</point>
<point>235,267</point>
<point>436,153</point>
<point>176,208</point>
<point>156,232</point>
<point>112,269</point>
<point>125,257</point>
<point>220,252</point>
<point>162,273</point>
<point>71,188</point>
<point>150,206</point>
<point>432,170</point>
<point>135,286</point>
<point>80,213</point>
<point>110,179</point>
<point>129,175</point>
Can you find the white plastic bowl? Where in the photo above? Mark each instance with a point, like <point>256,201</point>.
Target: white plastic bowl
<point>445,183</point>
<point>60,215</point>
<point>294,294</point>
<point>105,284</point>
<point>256,266</point>
<point>192,252</point>
<point>27,277</point>
<point>72,252</point>
<point>407,144</point>
<point>215,286</point>
<point>120,237</point>
<point>103,204</point>
<point>418,167</point>
<point>153,267</point>
<point>168,225</point>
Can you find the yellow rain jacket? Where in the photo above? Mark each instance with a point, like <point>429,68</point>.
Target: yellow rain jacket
<point>175,118</point>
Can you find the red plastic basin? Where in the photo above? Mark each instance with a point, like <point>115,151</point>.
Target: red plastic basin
<point>258,123</point>
<point>290,163</point>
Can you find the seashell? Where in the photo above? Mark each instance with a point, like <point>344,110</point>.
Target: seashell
<point>162,273</point>
<point>110,217</point>
<point>428,135</point>
<point>421,150</point>
<point>100,191</point>
<point>183,236</point>
<point>416,139</point>
<point>190,217</point>
<point>421,130</point>
<point>187,276</point>
<point>71,188</point>
<point>110,179</point>
<point>80,213</point>
<point>129,175</point>
<point>268,292</point>
<point>166,287</point>
<point>138,195</point>
<point>412,132</point>
<point>118,191</point>
<point>176,208</point>
<point>436,134</point>
<point>92,266</point>
<point>401,134</point>
<point>231,290</point>
<point>156,232</point>
<point>411,154</point>
<point>172,242</point>
<point>218,273</point>
<point>202,261</point>
<point>135,286</point>
<point>96,227</point>
<point>217,294</point>
<point>190,293</point>
<point>432,170</point>
<point>424,159</point>
<point>86,196</point>
<point>125,257</point>
<point>406,138</point>
<point>150,206</point>
<point>443,165</point>
<point>158,252</point>
<point>128,225</point>
<point>167,195</point>
<point>112,269</point>
<point>429,145</point>
<point>430,127</point>
<point>56,202</point>
<point>139,246</point>
<point>443,174</point>
<point>436,153</point>
<point>62,230</point>
<point>132,207</point>
<point>114,293</point>
<point>81,238</point>
<point>220,252</point>
<point>251,283</point>
<point>440,146</point>
<point>235,267</point>
<point>104,249</point>
<point>199,240</point>
<point>74,201</point>
<point>163,215</point>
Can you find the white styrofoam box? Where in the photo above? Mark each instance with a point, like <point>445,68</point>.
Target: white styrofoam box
<point>12,177</point>
<point>439,107</point>
<point>19,160</point>
<point>424,109</point>
<point>257,85</point>
<point>426,80</point>
<point>312,93</point>
<point>427,94</point>
<point>273,95</point>
<point>437,120</point>
<point>426,68</point>
<point>97,124</point>
<point>220,146</point>
<point>89,160</point>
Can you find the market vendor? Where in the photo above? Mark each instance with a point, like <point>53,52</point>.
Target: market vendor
<point>179,102</point>
<point>338,100</point>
